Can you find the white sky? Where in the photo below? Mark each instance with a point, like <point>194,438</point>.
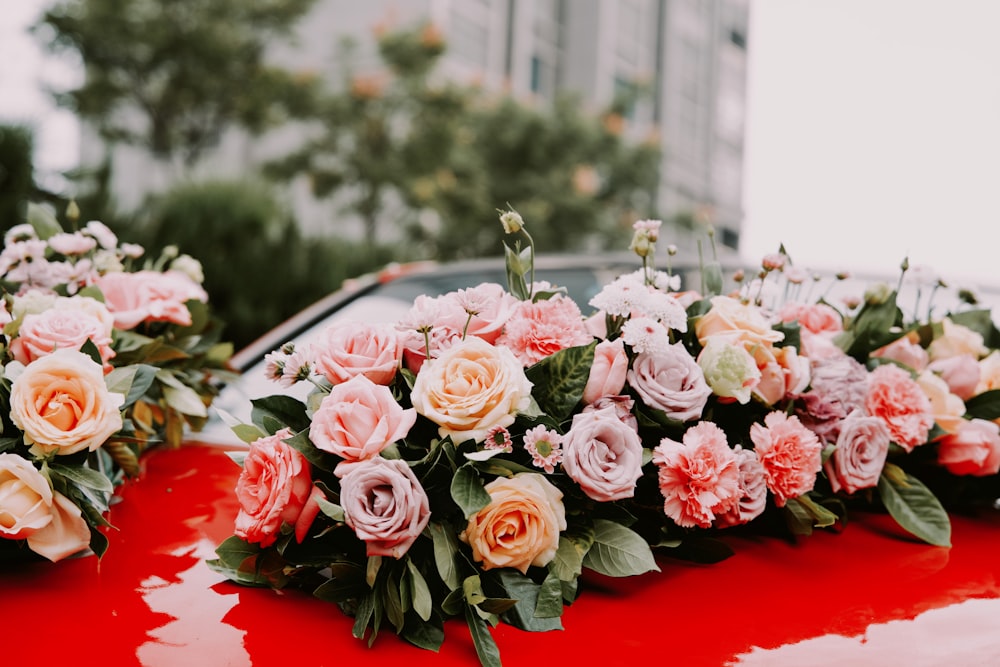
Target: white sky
<point>873,130</point>
<point>874,133</point>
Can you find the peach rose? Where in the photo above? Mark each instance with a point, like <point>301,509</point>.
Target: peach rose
<point>67,325</point>
<point>973,450</point>
<point>699,477</point>
<point>357,420</point>
<point>737,321</point>
<point>859,457</point>
<point>947,408</point>
<point>385,505</point>
<point>352,348</point>
<point>520,527</point>
<point>895,398</point>
<point>274,489</point>
<point>603,455</point>
<point>782,372</point>
<point>989,372</point>
<point>905,350</point>
<point>62,405</point>
<point>956,339</point>
<point>670,381</point>
<point>608,372</point>
<point>790,453</point>
<point>30,510</point>
<point>471,388</point>
<point>961,372</point>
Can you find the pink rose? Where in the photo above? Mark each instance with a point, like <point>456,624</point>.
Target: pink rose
<point>671,381</point>
<point>905,350</point>
<point>895,398</point>
<point>608,372</point>
<point>699,477</point>
<point>62,405</point>
<point>354,348</point>
<point>989,372</point>
<point>782,372</point>
<point>752,492</point>
<point>947,409</point>
<point>790,453</point>
<point>385,505</point>
<point>274,489</point>
<point>520,527</point>
<point>961,372</point>
<point>974,450</point>
<point>470,389</point>
<point>149,296</point>
<point>603,455</point>
<point>357,420</point>
<point>64,326</point>
<point>539,329</point>
<point>859,457</point>
<point>956,339</point>
<point>30,510</point>
<point>815,318</point>
<point>622,405</point>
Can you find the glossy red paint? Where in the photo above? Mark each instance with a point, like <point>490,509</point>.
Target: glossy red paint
<point>868,596</point>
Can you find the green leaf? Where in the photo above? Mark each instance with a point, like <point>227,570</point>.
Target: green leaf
<point>821,516</point>
<point>98,543</point>
<point>332,510</point>
<point>445,548</point>
<point>467,491</point>
<point>429,635</point>
<point>185,400</point>
<point>559,380</point>
<point>618,551</point>
<point>984,406</point>
<point>422,601</point>
<point>798,519</point>
<point>132,381</point>
<point>85,477</point>
<point>247,432</point>
<point>486,648</point>
<point>285,409</point>
<point>526,592</point>
<point>915,508</point>
<point>699,549</point>
<point>568,561</point>
<point>363,615</point>
<point>43,221</point>
<point>875,326</point>
<point>549,604</point>
<point>234,551</point>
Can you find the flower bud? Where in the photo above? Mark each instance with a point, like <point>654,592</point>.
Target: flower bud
<point>511,221</point>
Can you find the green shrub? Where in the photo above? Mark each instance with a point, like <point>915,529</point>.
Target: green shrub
<point>17,184</point>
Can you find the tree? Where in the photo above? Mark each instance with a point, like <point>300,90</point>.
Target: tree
<point>17,182</point>
<point>172,76</point>
<point>399,145</point>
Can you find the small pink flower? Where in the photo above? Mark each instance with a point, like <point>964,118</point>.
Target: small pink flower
<point>545,447</point>
<point>498,437</point>
<point>790,453</point>
<point>974,450</point>
<point>540,329</point>
<point>71,244</point>
<point>896,398</point>
<point>774,262</point>
<point>699,477</point>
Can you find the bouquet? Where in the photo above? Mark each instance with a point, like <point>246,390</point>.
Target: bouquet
<point>97,364</point>
<point>476,457</point>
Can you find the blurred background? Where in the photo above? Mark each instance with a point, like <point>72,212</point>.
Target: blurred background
<point>320,139</point>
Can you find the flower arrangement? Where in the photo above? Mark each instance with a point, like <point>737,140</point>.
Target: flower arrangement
<point>476,457</point>
<point>97,362</point>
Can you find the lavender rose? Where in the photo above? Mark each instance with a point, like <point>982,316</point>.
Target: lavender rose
<point>603,455</point>
<point>862,447</point>
<point>671,381</point>
<point>385,505</point>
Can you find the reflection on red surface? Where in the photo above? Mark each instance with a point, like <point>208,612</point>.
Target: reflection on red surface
<point>853,598</point>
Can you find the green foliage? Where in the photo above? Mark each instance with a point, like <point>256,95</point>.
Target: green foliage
<point>914,507</point>
<point>17,184</point>
<point>172,76</point>
<point>244,238</point>
<point>437,158</point>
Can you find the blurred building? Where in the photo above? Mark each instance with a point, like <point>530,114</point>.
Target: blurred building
<point>690,55</point>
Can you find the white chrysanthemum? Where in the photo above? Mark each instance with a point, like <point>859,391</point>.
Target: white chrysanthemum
<point>666,309</point>
<point>619,297</point>
<point>644,334</point>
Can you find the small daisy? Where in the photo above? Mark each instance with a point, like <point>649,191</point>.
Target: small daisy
<point>274,365</point>
<point>545,447</point>
<point>644,334</point>
<point>667,310</point>
<point>298,367</point>
<point>620,297</point>
<point>498,437</point>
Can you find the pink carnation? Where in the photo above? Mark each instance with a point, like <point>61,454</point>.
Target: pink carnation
<point>540,329</point>
<point>699,478</point>
<point>790,453</point>
<point>897,399</point>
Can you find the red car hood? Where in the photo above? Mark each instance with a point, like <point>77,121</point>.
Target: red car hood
<point>866,596</point>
